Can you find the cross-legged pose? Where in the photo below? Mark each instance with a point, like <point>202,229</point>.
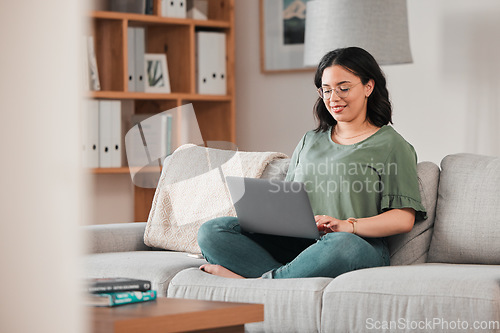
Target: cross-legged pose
<point>361,179</point>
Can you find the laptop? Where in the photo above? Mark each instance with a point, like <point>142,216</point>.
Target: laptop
<point>273,207</point>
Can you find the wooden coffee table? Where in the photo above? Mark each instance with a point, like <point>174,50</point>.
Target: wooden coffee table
<point>175,315</point>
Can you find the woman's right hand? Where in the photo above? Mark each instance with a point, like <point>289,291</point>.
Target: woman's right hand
<point>322,222</point>
<point>327,224</point>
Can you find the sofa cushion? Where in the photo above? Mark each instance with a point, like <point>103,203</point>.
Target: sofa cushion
<point>426,294</point>
<point>412,247</point>
<point>276,169</point>
<point>115,237</point>
<point>290,305</point>
<point>159,267</point>
<point>467,226</point>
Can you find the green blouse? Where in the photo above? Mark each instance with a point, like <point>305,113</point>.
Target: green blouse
<point>360,180</point>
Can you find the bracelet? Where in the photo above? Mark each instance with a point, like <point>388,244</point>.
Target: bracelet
<point>353,221</point>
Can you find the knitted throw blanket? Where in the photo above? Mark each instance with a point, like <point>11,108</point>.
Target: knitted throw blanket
<point>192,190</point>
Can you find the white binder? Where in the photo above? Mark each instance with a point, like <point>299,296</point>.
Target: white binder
<point>181,9</point>
<point>204,56</point>
<point>140,49</point>
<point>105,134</point>
<point>173,8</point>
<point>131,58</point>
<point>167,8</point>
<point>91,134</point>
<point>211,63</point>
<point>220,64</point>
<point>136,47</point>
<point>116,134</point>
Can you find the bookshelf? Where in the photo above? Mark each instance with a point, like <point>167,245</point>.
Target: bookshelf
<point>176,37</point>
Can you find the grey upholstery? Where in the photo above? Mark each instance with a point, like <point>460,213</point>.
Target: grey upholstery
<point>412,247</point>
<point>358,301</point>
<point>463,227</point>
<point>294,304</point>
<point>118,237</point>
<point>159,267</point>
<point>468,211</point>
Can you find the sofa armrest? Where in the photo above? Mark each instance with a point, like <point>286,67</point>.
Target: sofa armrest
<point>119,237</point>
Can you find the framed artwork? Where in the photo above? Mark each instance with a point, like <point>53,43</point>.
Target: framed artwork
<point>282,31</point>
<point>157,80</point>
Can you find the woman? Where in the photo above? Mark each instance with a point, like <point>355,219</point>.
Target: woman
<point>361,179</point>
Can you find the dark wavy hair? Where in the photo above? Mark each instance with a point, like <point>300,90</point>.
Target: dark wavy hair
<point>362,64</point>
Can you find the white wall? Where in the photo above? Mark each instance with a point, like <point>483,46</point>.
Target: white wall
<point>445,102</point>
<point>448,101</point>
<point>42,199</point>
<point>273,111</point>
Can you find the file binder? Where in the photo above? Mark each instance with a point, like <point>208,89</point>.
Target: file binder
<point>220,64</point>
<point>105,140</point>
<point>131,58</point>
<point>90,134</point>
<point>167,8</point>
<point>211,63</point>
<point>116,134</point>
<point>173,8</point>
<point>136,47</point>
<point>140,49</point>
<point>181,10</point>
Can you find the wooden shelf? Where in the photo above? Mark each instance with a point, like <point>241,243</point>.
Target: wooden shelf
<point>156,96</point>
<point>176,38</point>
<point>122,170</point>
<point>154,19</point>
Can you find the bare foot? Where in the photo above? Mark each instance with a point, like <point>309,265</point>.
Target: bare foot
<point>220,271</point>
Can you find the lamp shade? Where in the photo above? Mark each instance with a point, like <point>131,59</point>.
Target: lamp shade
<point>378,26</point>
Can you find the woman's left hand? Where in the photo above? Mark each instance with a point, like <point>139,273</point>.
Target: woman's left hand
<point>328,224</point>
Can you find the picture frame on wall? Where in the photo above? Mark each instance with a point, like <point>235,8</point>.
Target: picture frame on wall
<point>157,79</point>
<point>282,32</point>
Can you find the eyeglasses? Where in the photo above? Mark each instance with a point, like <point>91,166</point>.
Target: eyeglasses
<point>341,91</point>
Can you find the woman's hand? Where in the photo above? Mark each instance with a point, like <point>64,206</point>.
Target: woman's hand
<point>329,224</point>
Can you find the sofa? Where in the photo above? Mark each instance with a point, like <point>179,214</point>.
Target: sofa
<point>444,274</point>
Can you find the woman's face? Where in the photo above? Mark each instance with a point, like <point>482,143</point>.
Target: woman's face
<point>350,108</point>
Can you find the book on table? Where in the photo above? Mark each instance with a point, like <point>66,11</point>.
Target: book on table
<point>119,298</point>
<point>117,291</point>
<point>105,285</point>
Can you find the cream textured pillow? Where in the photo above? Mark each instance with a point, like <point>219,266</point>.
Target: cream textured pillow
<point>192,190</point>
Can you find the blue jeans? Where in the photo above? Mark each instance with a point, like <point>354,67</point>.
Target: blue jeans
<point>222,242</point>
